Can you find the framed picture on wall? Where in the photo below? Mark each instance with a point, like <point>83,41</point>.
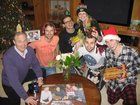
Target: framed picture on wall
<point>33,35</point>
<point>57,9</point>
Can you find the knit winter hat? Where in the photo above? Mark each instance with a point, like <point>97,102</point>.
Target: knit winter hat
<point>82,8</point>
<point>110,33</point>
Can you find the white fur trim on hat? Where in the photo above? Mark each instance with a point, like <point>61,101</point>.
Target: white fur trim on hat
<point>111,36</point>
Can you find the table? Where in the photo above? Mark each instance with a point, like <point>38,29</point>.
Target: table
<point>92,93</point>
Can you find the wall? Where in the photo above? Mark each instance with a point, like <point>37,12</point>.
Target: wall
<point>136,10</point>
<point>41,10</point>
<point>74,4</point>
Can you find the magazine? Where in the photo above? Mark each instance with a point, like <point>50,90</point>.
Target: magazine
<point>33,35</point>
<point>62,94</point>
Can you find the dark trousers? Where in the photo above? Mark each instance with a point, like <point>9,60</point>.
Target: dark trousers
<point>128,95</point>
<point>13,98</point>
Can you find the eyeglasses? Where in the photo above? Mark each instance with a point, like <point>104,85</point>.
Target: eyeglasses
<point>69,21</point>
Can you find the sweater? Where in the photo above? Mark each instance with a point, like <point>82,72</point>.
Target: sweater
<point>15,69</point>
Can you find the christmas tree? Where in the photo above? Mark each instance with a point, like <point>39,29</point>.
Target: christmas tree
<point>10,15</point>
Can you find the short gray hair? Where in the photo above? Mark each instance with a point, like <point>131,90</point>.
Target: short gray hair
<point>19,33</point>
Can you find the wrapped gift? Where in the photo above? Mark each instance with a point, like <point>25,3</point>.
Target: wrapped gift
<point>115,72</point>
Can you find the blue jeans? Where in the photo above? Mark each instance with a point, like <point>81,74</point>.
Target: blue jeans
<point>48,71</point>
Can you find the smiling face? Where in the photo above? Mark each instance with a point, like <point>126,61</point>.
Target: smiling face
<point>49,32</point>
<point>83,16</point>
<point>68,23</point>
<point>112,43</point>
<point>89,43</point>
<point>20,41</point>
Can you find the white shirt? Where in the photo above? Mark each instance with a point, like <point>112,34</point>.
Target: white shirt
<point>20,53</point>
<point>95,59</point>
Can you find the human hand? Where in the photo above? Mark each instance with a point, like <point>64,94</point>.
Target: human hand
<point>105,79</point>
<point>122,80</point>
<point>31,100</point>
<point>94,33</point>
<point>73,43</point>
<point>96,73</point>
<point>84,68</point>
<point>95,80</point>
<point>40,81</point>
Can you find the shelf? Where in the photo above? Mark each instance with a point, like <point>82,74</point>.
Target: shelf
<point>125,31</point>
<point>129,33</point>
<point>122,30</point>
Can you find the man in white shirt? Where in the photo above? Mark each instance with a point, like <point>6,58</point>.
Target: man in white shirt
<point>93,56</point>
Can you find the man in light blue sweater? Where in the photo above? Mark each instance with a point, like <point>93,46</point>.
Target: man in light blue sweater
<point>16,63</point>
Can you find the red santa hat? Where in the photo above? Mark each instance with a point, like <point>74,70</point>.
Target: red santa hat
<point>110,33</point>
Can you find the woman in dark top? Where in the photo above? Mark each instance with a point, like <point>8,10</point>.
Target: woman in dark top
<point>85,21</point>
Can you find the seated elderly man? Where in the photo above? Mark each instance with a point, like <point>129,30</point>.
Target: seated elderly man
<point>17,61</point>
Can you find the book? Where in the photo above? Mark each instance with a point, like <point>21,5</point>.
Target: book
<point>33,35</point>
<point>62,94</point>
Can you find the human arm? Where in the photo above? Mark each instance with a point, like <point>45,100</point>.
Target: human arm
<point>12,75</point>
<point>62,42</point>
<point>134,63</point>
<point>57,51</point>
<point>130,58</point>
<point>84,67</point>
<point>107,63</point>
<point>77,46</point>
<point>36,66</point>
<point>95,23</point>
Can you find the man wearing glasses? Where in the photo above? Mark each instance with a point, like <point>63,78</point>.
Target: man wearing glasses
<point>66,34</point>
